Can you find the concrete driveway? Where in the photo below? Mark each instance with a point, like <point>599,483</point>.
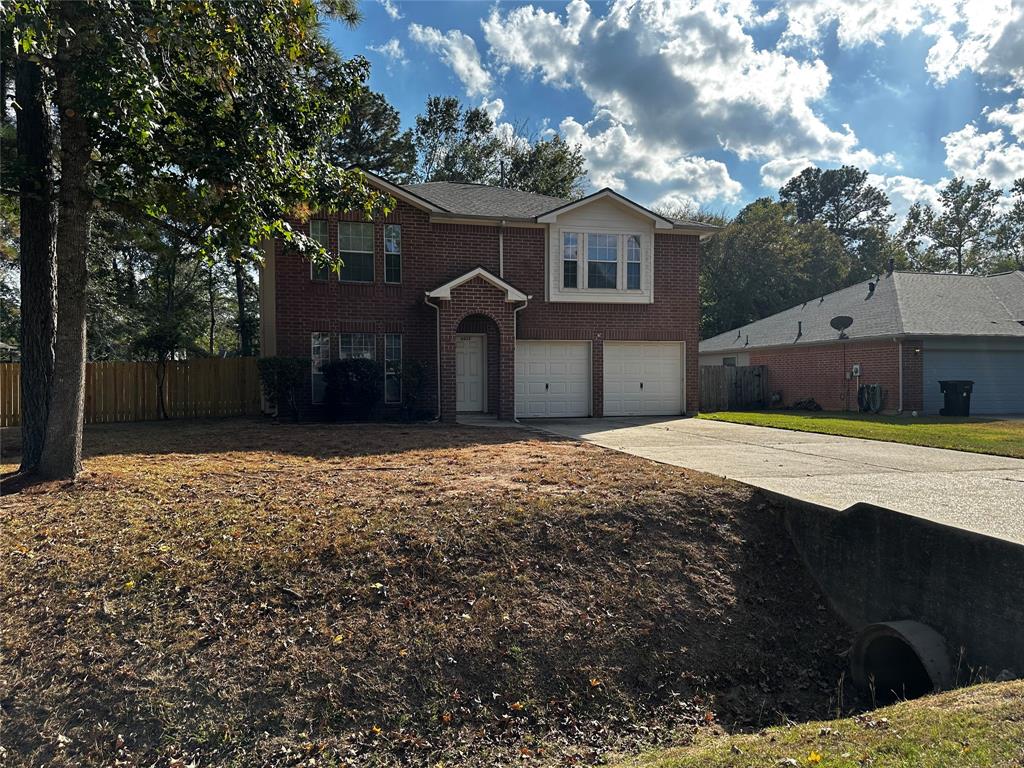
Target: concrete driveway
<point>969,490</point>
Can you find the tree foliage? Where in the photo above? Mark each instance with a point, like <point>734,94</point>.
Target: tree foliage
<point>851,208</point>
<point>766,260</point>
<point>216,114</point>
<point>961,235</point>
<point>373,140</point>
<point>461,144</point>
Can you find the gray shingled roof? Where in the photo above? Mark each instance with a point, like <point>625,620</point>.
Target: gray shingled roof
<point>484,200</point>
<point>902,304</point>
<point>490,202</point>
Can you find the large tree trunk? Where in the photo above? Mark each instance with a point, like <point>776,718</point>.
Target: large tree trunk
<point>244,322</point>
<point>62,450</point>
<point>38,265</point>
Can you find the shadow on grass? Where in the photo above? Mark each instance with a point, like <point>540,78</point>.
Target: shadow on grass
<point>254,435</point>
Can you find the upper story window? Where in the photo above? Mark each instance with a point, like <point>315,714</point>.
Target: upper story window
<point>602,260</point>
<point>392,253</point>
<point>355,246</point>
<point>633,254</point>
<point>570,259</point>
<point>357,345</point>
<point>597,264</point>
<point>318,231</point>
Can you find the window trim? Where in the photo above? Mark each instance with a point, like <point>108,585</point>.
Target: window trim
<point>342,352</point>
<point>397,373</point>
<point>325,343</point>
<point>397,253</point>
<point>372,252</point>
<point>326,243</point>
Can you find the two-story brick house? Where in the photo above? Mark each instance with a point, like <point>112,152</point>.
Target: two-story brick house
<point>519,305</point>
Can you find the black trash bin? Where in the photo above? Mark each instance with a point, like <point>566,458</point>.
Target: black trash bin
<point>957,397</point>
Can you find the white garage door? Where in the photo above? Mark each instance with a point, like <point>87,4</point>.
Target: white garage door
<point>552,379</point>
<point>643,378</point>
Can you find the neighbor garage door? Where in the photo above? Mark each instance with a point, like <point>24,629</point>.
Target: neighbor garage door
<point>552,379</point>
<point>998,376</point>
<point>643,378</point>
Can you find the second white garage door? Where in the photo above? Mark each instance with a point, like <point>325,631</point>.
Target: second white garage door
<point>643,378</point>
<point>552,379</point>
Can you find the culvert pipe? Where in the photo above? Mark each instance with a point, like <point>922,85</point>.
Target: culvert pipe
<point>900,660</point>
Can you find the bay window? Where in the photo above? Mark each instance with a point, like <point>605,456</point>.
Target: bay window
<point>570,259</point>
<point>602,260</point>
<point>632,262</point>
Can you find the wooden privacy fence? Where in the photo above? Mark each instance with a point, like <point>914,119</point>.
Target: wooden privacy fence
<point>733,388</point>
<point>127,391</point>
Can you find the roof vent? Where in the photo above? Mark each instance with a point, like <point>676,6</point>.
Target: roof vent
<point>871,287</point>
<point>799,328</point>
<point>747,342</point>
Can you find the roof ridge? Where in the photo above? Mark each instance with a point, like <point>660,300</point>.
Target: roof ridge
<point>900,325</point>
<point>999,299</point>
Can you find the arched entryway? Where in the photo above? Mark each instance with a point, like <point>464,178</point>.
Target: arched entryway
<point>477,365</point>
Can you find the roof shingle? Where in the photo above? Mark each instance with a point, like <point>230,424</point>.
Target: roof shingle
<point>902,304</point>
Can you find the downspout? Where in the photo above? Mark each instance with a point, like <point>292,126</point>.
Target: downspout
<point>501,250</point>
<point>515,335</point>
<point>437,399</point>
<point>899,347</point>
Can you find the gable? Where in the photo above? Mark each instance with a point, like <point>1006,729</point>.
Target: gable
<point>605,213</point>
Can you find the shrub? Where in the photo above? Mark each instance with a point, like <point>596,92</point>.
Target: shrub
<point>281,378</point>
<point>352,388</point>
<point>414,387</point>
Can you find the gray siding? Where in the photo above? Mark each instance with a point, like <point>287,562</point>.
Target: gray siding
<point>995,366</point>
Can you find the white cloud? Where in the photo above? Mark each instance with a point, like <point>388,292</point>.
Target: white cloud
<point>777,172</point>
<point>392,49</point>
<point>493,107</point>
<point>973,154</point>
<point>681,75</point>
<point>615,157</point>
<point>391,9</point>
<point>458,51</point>
<point>904,191</point>
<point>986,36</point>
<point>1010,115</point>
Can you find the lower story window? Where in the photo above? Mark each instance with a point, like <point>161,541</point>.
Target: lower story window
<point>357,345</point>
<point>393,368</point>
<point>319,353</point>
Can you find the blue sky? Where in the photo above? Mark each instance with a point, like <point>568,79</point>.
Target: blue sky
<point>717,103</point>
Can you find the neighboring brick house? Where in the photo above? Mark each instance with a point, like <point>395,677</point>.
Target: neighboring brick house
<point>519,305</point>
<point>909,332</point>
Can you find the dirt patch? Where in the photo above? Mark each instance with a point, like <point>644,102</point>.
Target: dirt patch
<point>242,593</point>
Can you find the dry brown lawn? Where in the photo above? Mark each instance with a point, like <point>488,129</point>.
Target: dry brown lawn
<point>245,593</point>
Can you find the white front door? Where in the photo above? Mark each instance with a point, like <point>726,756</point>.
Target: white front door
<point>469,373</point>
<point>643,378</point>
<point>552,379</point>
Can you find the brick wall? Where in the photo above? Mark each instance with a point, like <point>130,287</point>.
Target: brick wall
<point>819,370</point>
<point>433,254</point>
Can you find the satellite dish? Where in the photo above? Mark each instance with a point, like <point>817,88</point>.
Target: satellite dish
<point>841,323</point>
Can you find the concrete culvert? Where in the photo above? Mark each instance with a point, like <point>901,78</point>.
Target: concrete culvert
<point>900,660</point>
